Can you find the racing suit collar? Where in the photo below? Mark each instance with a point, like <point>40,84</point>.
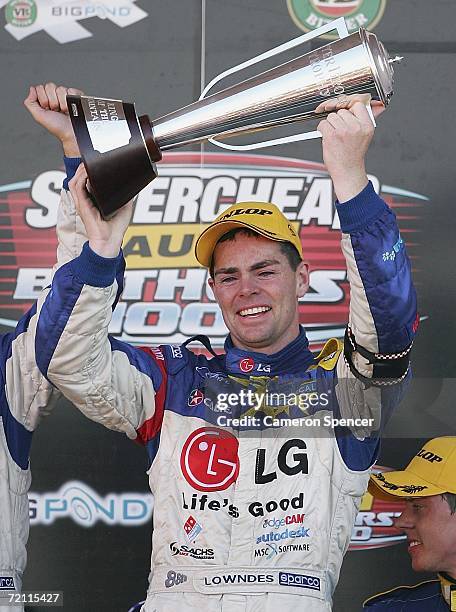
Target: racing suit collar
<point>295,357</point>
<point>448,586</point>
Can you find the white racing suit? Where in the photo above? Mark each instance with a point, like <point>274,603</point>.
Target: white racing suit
<point>25,397</point>
<point>247,517</point>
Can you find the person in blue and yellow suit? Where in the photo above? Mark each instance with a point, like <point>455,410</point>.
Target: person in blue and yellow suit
<point>428,485</point>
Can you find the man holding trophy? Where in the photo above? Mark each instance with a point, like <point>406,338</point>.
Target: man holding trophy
<point>245,517</point>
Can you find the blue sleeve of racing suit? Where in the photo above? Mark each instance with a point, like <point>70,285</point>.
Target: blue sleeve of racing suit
<point>380,279</point>
<point>110,381</point>
<point>18,438</point>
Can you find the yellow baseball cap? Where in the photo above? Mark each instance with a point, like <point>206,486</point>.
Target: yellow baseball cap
<point>261,217</point>
<point>431,472</point>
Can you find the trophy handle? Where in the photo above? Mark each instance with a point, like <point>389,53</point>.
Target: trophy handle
<point>339,25</point>
<point>284,140</point>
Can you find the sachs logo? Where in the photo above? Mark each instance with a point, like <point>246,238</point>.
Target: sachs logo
<point>166,298</point>
<point>312,14</point>
<point>374,526</point>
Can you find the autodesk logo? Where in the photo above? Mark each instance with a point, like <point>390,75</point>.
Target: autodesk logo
<point>61,19</point>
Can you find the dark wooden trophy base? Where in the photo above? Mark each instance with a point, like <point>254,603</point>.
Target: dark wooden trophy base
<point>116,176</point>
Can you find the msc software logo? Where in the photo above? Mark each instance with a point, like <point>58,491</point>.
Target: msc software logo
<point>312,14</point>
<point>166,299</point>
<point>79,502</point>
<point>61,19</point>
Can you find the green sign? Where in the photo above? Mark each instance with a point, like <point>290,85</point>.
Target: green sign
<point>312,14</point>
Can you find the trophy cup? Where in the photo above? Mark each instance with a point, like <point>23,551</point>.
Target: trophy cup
<point>120,149</point>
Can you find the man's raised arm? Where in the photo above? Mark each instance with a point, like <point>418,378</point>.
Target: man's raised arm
<point>110,381</point>
<point>383,302</point>
<point>382,319</point>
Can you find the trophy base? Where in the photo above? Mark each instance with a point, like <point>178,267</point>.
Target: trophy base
<point>117,147</point>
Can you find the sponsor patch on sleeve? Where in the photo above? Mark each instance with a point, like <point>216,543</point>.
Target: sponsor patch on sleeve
<point>299,580</point>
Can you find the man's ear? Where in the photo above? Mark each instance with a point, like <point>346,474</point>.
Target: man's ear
<point>211,283</point>
<point>302,279</point>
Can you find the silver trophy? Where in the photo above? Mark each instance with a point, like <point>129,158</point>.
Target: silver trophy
<point>120,149</point>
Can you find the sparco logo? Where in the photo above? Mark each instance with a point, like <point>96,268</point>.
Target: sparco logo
<point>299,580</point>
<point>312,14</point>
<point>209,459</point>
<point>166,299</point>
<point>6,583</point>
<point>61,19</point>
<point>188,551</point>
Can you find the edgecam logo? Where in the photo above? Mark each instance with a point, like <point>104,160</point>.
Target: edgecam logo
<point>312,14</point>
<point>246,365</point>
<point>299,580</point>
<point>209,459</point>
<point>61,20</point>
<point>290,519</point>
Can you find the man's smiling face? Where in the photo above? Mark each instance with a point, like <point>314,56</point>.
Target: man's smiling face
<point>258,292</point>
<point>431,534</point>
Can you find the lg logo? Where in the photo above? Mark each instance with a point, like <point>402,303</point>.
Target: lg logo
<point>288,463</point>
<point>209,459</point>
<point>246,365</point>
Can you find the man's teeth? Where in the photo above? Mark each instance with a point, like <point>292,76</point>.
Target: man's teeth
<point>414,543</point>
<point>251,311</point>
